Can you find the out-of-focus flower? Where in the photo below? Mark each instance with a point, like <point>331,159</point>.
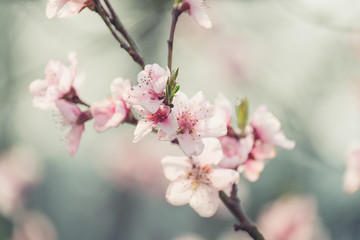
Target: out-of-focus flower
<point>59,81</point>
<point>65,8</point>
<point>267,128</point>
<point>34,226</point>
<point>223,109</point>
<point>196,181</point>
<point>19,171</point>
<point>292,218</point>
<point>352,174</point>
<point>162,119</point>
<point>74,120</point>
<point>236,151</point>
<point>112,111</point>
<point>195,9</point>
<point>196,120</point>
<point>150,89</point>
<point>130,169</point>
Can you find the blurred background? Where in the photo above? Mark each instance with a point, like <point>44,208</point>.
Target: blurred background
<point>299,57</point>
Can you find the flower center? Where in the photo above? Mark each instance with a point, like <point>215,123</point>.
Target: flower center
<point>186,123</point>
<point>199,175</point>
<point>161,115</point>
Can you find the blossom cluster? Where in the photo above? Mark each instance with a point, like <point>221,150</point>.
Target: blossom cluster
<point>215,153</point>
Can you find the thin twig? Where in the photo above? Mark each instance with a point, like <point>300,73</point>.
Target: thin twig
<point>115,21</point>
<point>233,204</point>
<point>101,11</point>
<point>175,15</point>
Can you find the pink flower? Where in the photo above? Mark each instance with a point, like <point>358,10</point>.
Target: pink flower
<point>352,174</point>
<point>19,171</point>
<point>267,129</point>
<point>150,89</point>
<point>112,111</point>
<point>59,81</point>
<point>196,181</point>
<point>196,120</point>
<point>292,218</point>
<point>195,9</point>
<point>162,119</point>
<point>74,120</point>
<point>65,8</point>
<point>223,109</point>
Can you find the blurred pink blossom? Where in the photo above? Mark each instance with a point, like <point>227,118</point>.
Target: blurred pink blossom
<point>195,9</point>
<point>197,181</point>
<point>112,111</point>
<point>150,89</point>
<point>196,120</point>
<point>65,8</point>
<point>291,218</point>
<point>59,81</point>
<point>19,171</point>
<point>267,129</point>
<point>128,168</point>
<point>33,226</point>
<point>352,174</point>
<point>71,120</point>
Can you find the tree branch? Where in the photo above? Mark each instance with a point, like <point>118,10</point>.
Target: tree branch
<point>233,204</point>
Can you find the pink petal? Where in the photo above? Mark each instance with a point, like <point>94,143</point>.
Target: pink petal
<point>223,109</point>
<point>198,13</point>
<point>120,88</point>
<point>73,138</point>
<point>205,200</point>
<point>107,114</point>
<point>190,144</point>
<point>223,178</point>
<point>169,126</point>
<point>179,192</point>
<point>143,127</point>
<point>252,169</point>
<point>69,111</point>
<point>175,167</point>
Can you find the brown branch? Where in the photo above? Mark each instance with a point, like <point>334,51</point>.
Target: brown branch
<point>132,52</point>
<point>233,204</point>
<point>175,15</point>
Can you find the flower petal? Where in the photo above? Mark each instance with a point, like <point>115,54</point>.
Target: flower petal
<point>143,127</point>
<point>205,200</point>
<point>175,167</point>
<point>179,192</point>
<point>223,178</point>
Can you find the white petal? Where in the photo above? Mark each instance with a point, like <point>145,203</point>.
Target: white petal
<point>179,192</point>
<point>212,153</point>
<point>143,127</point>
<point>205,200</point>
<point>212,127</point>
<point>223,178</point>
<point>175,167</point>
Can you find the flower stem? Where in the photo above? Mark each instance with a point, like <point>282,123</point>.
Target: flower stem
<point>233,204</point>
<point>175,15</point>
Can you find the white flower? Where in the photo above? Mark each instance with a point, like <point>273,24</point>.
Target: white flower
<point>196,181</point>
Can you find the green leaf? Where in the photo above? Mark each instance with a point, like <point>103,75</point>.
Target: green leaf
<point>242,112</point>
<point>176,89</point>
